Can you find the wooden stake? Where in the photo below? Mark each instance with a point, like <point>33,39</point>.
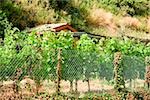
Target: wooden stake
<point>58,72</point>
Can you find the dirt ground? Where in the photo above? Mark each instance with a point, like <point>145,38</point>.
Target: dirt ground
<point>48,87</point>
<point>95,85</point>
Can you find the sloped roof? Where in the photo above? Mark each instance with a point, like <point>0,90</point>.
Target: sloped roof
<point>51,27</point>
<point>56,25</point>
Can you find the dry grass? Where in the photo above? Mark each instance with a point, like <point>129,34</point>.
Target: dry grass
<point>130,22</point>
<point>76,3</point>
<point>129,26</point>
<point>106,24</point>
<point>148,24</point>
<point>99,17</point>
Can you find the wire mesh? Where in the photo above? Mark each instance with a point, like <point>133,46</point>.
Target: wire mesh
<point>134,71</point>
<point>82,70</point>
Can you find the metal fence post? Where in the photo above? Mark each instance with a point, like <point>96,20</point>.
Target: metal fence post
<point>58,71</point>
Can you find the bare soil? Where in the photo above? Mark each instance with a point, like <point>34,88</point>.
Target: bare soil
<point>48,89</point>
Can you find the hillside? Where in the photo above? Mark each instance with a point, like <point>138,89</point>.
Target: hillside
<point>101,17</point>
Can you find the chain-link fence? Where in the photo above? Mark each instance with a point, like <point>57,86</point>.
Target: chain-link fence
<point>77,72</point>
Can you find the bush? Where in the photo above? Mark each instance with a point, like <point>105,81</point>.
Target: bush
<point>4,24</point>
<point>27,14</point>
<point>132,7</point>
<point>15,14</point>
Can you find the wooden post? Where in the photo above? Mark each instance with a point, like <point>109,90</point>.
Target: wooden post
<point>71,86</point>
<point>118,72</point>
<point>147,76</point>
<point>76,85</point>
<point>16,80</point>
<point>89,89</point>
<point>58,71</point>
<point>147,72</point>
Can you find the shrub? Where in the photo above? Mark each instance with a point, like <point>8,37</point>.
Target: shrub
<point>27,14</point>
<point>15,14</point>
<point>132,7</point>
<point>4,24</point>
